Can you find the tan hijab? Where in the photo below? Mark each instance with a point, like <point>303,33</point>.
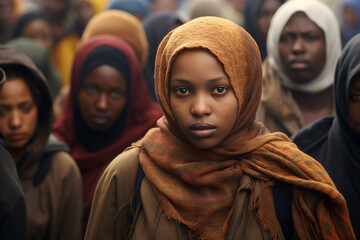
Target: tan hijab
<point>198,187</point>
<point>122,25</point>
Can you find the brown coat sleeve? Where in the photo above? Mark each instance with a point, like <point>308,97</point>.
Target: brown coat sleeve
<point>67,222</point>
<point>110,209</point>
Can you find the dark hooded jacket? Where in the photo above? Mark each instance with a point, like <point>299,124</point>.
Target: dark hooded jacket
<point>49,176</point>
<point>13,224</point>
<point>333,142</point>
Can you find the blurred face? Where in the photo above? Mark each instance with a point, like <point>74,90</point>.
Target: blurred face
<point>201,98</point>
<point>354,104</point>
<point>302,49</point>
<point>349,16</point>
<point>40,31</point>
<point>18,114</point>
<point>163,5</point>
<point>6,13</point>
<point>102,97</point>
<point>55,8</point>
<point>263,18</point>
<point>84,12</point>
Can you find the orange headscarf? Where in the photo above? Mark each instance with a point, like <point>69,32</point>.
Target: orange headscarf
<point>198,187</point>
<point>122,25</point>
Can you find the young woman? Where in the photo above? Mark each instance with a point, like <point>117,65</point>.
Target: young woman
<point>335,141</point>
<point>49,176</point>
<point>303,44</point>
<point>209,168</point>
<point>108,108</point>
<point>35,25</point>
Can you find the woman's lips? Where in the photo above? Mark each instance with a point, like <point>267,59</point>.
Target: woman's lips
<point>202,130</point>
<point>100,120</point>
<point>16,137</point>
<point>299,64</point>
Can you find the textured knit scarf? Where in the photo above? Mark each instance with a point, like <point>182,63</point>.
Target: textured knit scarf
<point>197,187</point>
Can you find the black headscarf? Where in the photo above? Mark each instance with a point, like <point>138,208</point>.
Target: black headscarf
<point>156,26</point>
<point>333,142</point>
<point>250,13</point>
<point>94,140</point>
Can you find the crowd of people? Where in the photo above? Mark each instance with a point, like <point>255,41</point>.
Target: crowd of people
<point>179,119</point>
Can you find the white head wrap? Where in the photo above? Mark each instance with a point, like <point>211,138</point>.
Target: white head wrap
<point>325,19</point>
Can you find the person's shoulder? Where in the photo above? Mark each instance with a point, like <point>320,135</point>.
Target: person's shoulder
<point>63,160</point>
<point>126,161</point>
<point>313,135</point>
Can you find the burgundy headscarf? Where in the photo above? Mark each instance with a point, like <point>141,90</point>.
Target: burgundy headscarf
<point>141,114</point>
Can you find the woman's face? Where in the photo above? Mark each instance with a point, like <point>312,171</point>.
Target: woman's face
<point>18,114</point>
<point>354,104</point>
<point>102,97</point>
<point>302,49</point>
<point>56,8</point>
<point>201,98</point>
<point>40,31</point>
<point>266,11</point>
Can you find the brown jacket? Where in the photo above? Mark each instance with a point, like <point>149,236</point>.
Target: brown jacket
<point>278,109</point>
<point>111,211</point>
<point>53,195</point>
<point>49,177</point>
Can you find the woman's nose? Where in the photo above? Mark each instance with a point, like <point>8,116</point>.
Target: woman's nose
<point>102,102</point>
<point>298,46</point>
<point>201,106</point>
<point>15,119</point>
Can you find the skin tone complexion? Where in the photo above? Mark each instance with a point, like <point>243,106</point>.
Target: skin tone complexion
<point>202,98</point>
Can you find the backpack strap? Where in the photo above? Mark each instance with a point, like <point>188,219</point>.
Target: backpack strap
<point>136,197</point>
<point>283,197</point>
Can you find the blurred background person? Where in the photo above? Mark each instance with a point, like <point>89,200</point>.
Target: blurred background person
<point>12,198</point>
<point>9,12</point>
<point>41,57</point>
<point>350,19</point>
<point>156,26</point>
<point>61,14</point>
<point>127,27</point>
<point>139,8</point>
<point>49,176</point>
<point>257,18</point>
<point>234,11</point>
<point>303,45</point>
<point>108,108</point>
<point>335,141</point>
<point>35,25</point>
<point>165,5</point>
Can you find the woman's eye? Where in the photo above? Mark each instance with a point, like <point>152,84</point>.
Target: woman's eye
<point>116,94</point>
<point>182,91</point>
<point>220,90</point>
<point>3,112</point>
<point>91,90</point>
<point>26,108</point>
<point>355,97</point>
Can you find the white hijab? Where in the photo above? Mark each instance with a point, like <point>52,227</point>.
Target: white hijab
<point>325,19</point>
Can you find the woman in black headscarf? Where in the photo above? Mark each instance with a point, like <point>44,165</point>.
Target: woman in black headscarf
<point>258,14</point>
<point>156,26</point>
<point>335,141</point>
